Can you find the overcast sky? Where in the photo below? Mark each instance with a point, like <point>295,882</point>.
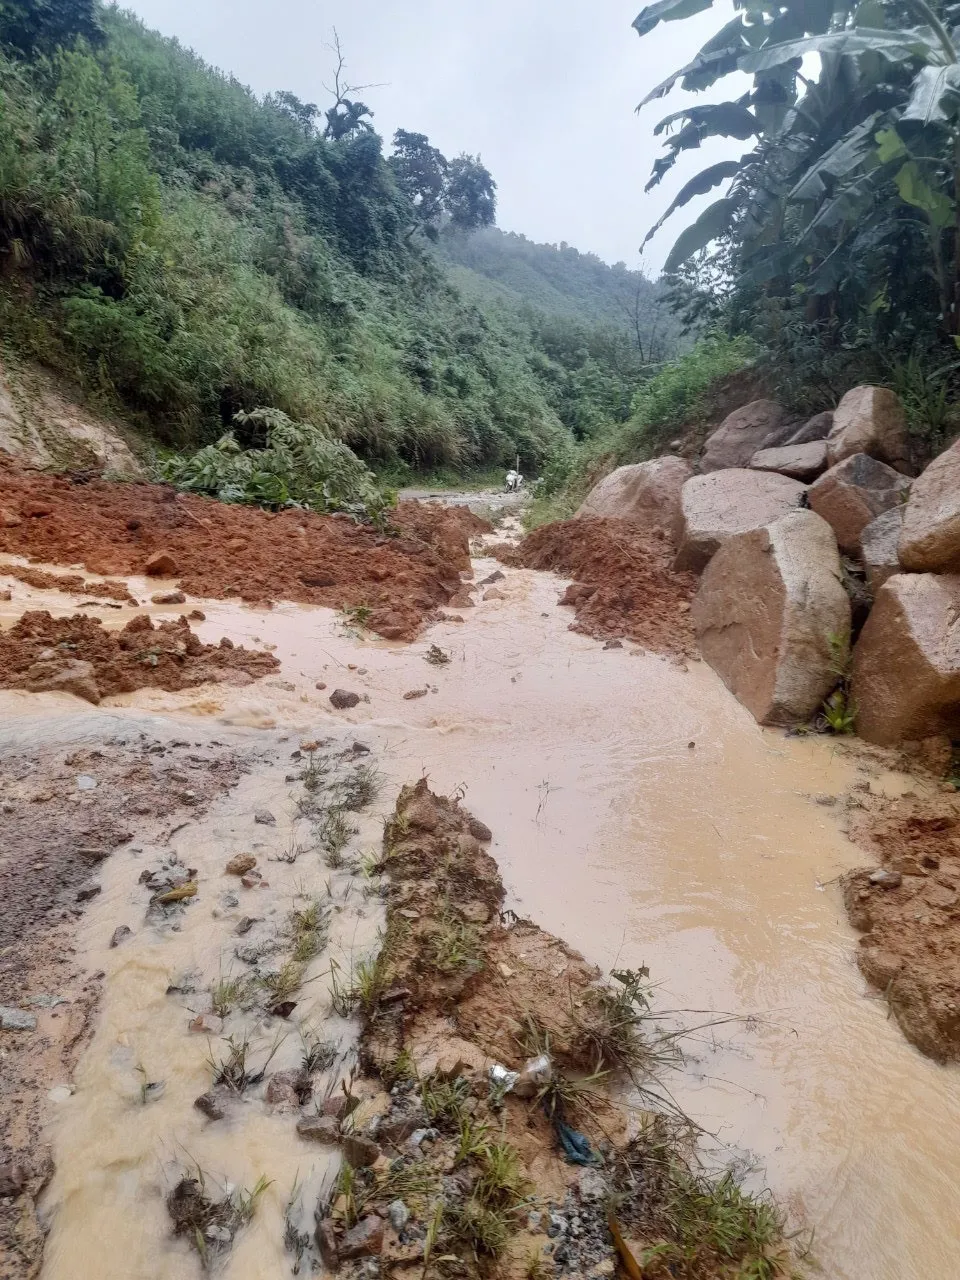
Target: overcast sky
<point>543,90</point>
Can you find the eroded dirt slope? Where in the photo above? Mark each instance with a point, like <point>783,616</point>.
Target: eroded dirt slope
<point>217,550</point>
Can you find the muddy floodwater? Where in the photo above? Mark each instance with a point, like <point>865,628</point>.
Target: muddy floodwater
<point>639,813</point>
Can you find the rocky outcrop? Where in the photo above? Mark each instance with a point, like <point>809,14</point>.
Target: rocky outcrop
<point>799,461</point>
<point>648,492</point>
<point>930,539</point>
<point>770,613</point>
<point>719,506</point>
<point>758,425</point>
<point>870,420</point>
<point>816,428</point>
<point>878,547</point>
<point>853,493</point>
<point>906,664</point>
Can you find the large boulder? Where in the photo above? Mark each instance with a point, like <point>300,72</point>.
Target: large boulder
<point>771,614</point>
<point>758,425</point>
<point>718,506</point>
<point>906,664</point>
<point>870,420</point>
<point>878,547</point>
<point>799,461</point>
<point>930,538</point>
<point>815,428</point>
<point>648,492</point>
<point>853,493</point>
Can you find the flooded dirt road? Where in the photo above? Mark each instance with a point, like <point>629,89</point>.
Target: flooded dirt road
<point>639,813</point>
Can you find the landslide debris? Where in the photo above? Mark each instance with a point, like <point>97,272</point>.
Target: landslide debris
<point>487,1143</point>
<point>399,577</point>
<point>624,583</point>
<point>79,655</point>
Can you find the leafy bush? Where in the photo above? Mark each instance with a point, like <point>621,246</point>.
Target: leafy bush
<point>297,466</point>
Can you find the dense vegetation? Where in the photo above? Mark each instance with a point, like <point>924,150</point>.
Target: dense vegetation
<point>837,242</point>
<point>189,253</point>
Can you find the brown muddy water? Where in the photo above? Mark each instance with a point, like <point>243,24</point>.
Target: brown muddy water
<point>639,813</point>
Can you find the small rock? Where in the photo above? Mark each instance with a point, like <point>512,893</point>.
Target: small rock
<point>265,818</point>
<point>365,1240</point>
<point>826,800</point>
<point>557,1227</point>
<point>9,519</point>
<point>413,694</point>
<point>480,831</point>
<point>398,1128</point>
<point>613,644</point>
<point>87,895</point>
<point>121,932</point>
<point>34,509</point>
<point>399,1215</point>
<point>496,576</point>
<point>16,1019</point>
<point>169,597</point>
<point>229,900</point>
<point>197,615</point>
<point>360,1152</point>
<point>492,593</point>
<point>281,1093</point>
<point>592,1186</point>
<point>342,699</point>
<point>339,1105</point>
<point>161,565</point>
<point>240,864</point>
<point>252,879</point>
<point>245,924</point>
<point>6,595</point>
<point>13,1178</point>
<point>86,783</point>
<point>207,1024</point>
<point>326,1238</point>
<point>212,1104</point>
<point>320,685</point>
<point>883,879</point>
<point>319,1129</point>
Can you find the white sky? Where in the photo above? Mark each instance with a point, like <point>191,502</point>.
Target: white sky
<point>543,90</point>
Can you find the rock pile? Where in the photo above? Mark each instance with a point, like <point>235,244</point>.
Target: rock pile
<point>773,611</point>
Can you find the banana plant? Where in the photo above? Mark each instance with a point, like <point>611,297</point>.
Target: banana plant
<point>840,160</point>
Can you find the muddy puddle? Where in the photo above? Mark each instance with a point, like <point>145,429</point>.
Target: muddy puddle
<point>638,812</point>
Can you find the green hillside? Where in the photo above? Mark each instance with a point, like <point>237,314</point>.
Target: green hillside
<point>189,252</point>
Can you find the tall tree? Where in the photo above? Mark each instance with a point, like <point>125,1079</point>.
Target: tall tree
<point>471,196</point>
<point>421,174</point>
<point>40,26</point>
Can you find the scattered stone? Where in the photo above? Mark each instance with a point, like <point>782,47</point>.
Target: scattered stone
<point>497,576</point>
<point>480,831</point>
<point>197,615</point>
<point>240,864</point>
<point>870,420</point>
<point>412,694</point>
<point>13,1179</point>
<point>853,493</point>
<point>879,541</point>
<point>245,924</point>
<point>647,492</point>
<point>800,461</point>
<point>16,1020</point>
<point>769,603</point>
<point>613,644</point>
<point>320,685</point>
<point>592,1186</point>
<point>342,699</point>
<point>761,424</point>
<point>365,1240</point>
<point>161,565</point>
<point>493,594</point>
<point>252,880</point>
<point>339,1105</point>
<point>717,507</point>
<point>906,664</point>
<point>120,934</point>
<point>399,1215</point>
<point>360,1152</point>
<point>326,1238</point>
<point>816,428</point>
<point>265,818</point>
<point>883,879</point>
<point>280,1093</point>
<point>64,675</point>
<point>398,1127</point>
<point>169,597</point>
<point>213,1104</point>
<point>325,1129</point>
<point>87,895</point>
<point>930,538</point>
